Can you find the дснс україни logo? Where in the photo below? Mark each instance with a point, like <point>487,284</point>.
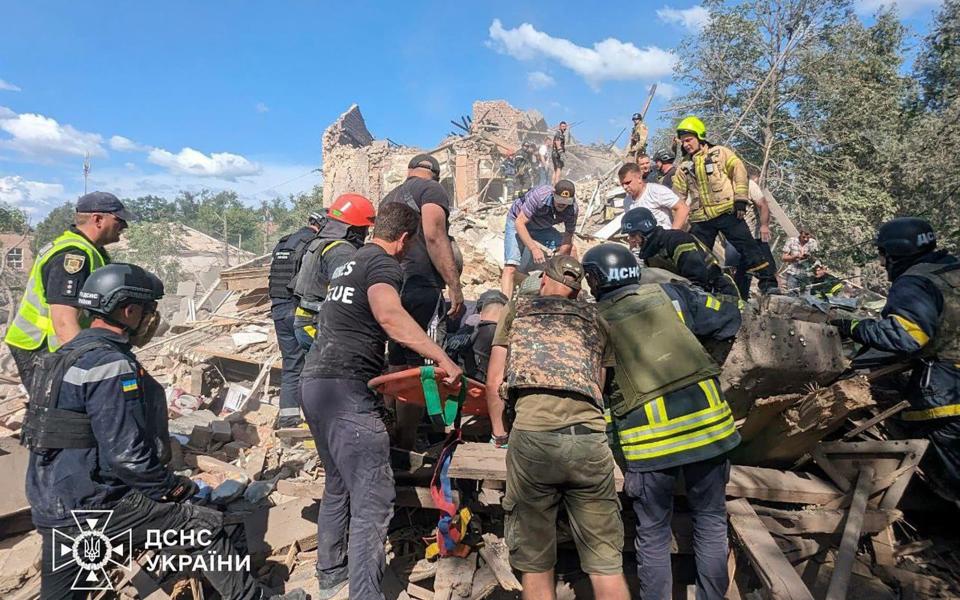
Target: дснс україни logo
<point>92,550</point>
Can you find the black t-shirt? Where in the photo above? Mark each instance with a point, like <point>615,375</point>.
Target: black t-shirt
<point>65,273</point>
<point>350,344</point>
<point>415,192</point>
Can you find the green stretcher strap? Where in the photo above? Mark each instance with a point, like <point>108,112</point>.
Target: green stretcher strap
<point>443,413</point>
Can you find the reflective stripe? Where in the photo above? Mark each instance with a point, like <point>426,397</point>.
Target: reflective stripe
<point>682,249</point>
<point>302,312</point>
<point>661,408</point>
<point>939,412</point>
<point>913,330</point>
<point>676,307</point>
<point>710,391</point>
<point>290,412</point>
<point>690,441</point>
<point>713,303</point>
<point>759,267</point>
<point>607,416</point>
<point>648,410</point>
<point>678,425</point>
<point>77,376</point>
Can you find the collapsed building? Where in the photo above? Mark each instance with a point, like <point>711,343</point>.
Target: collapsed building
<point>818,493</point>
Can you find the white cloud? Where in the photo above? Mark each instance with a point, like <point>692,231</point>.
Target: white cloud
<point>904,7</point>
<point>6,86</point>
<point>192,162</point>
<point>609,59</point>
<point>122,144</point>
<point>666,91</point>
<point>38,135</point>
<point>261,107</point>
<point>694,18</point>
<point>538,80</point>
<point>28,195</point>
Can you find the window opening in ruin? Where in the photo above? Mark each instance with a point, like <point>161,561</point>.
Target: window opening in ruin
<point>15,259</point>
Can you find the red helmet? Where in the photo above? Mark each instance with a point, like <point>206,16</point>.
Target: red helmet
<point>352,209</point>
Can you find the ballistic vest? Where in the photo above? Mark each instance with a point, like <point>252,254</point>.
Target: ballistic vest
<point>555,344</point>
<point>32,323</point>
<point>286,262</point>
<point>946,278</point>
<point>311,282</point>
<point>656,353</point>
<point>704,178</point>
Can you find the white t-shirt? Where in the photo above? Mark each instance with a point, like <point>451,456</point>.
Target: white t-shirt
<point>659,199</point>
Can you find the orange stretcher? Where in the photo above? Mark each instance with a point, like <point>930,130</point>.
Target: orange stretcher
<point>408,386</point>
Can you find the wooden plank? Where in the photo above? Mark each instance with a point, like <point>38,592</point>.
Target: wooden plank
<point>479,461</point>
<point>424,569</point>
<point>454,580</point>
<point>777,212</point>
<point>840,579</point>
<point>874,420</point>
<point>777,574</point>
<point>484,583</point>
<point>420,593</point>
<point>822,520</point>
<point>495,553</point>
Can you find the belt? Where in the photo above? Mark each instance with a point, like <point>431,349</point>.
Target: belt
<point>575,430</point>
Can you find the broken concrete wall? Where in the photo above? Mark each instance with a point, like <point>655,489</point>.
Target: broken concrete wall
<point>774,356</point>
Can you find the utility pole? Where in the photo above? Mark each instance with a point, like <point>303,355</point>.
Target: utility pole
<point>86,171</point>
<point>226,244</point>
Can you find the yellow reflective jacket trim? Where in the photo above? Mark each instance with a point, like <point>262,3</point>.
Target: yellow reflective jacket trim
<point>913,330</point>
<point>681,249</point>
<point>711,392</point>
<point>713,303</point>
<point>668,430</point>
<point>939,412</point>
<point>673,445</point>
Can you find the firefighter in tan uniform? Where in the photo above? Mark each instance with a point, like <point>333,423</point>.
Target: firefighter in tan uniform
<point>714,180</point>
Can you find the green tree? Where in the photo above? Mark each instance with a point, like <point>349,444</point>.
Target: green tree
<point>56,222</point>
<point>155,247</point>
<point>12,219</point>
<point>152,209</point>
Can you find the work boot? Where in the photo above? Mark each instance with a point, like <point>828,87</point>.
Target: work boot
<point>296,594</point>
<point>330,585</point>
<point>288,421</point>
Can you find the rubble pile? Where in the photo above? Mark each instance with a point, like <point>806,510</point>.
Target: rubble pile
<point>818,480</point>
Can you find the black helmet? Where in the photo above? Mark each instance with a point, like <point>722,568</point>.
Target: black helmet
<point>664,155</point>
<point>118,284</point>
<point>638,220</point>
<point>609,267</point>
<point>906,236</point>
<point>637,117</point>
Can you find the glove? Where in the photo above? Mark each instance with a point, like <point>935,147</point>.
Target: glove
<point>845,326</point>
<point>183,488</point>
<point>740,208</point>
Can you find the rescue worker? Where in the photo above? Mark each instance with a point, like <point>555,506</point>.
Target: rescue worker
<point>638,137</point>
<point>758,222</point>
<point>666,168</point>
<point>284,266</point>
<point>342,232</point>
<point>558,453</point>
<point>824,285</point>
<point>48,314</point>
<point>530,233</point>
<point>678,252</point>
<point>921,322</point>
<point>559,151</point>
<point>428,265</point>
<point>715,181</point>
<point>667,418</point>
<point>470,345</point>
<point>362,310</point>
<point>97,433</point>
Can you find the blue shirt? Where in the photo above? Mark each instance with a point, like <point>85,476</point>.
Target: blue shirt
<point>537,206</point>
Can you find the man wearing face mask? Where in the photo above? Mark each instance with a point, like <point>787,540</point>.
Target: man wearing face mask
<point>98,439</point>
<point>921,322</point>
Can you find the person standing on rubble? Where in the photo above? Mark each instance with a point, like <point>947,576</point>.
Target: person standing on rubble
<point>362,310</point>
<point>342,233</point>
<point>647,172</point>
<point>714,179</point>
<point>48,314</point>
<point>530,224</point>
<point>666,206</point>
<point>678,252</point>
<point>799,254</point>
<point>757,218</point>
<point>667,418</point>
<point>921,323</point>
<point>559,151</point>
<point>428,265</point>
<point>557,452</point>
<point>666,168</point>
<point>284,265</point>
<point>98,440</point>
<point>638,137</point>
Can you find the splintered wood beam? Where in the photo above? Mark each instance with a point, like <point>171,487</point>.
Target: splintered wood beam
<point>840,579</point>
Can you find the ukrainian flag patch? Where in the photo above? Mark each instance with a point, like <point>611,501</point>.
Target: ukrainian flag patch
<point>129,385</point>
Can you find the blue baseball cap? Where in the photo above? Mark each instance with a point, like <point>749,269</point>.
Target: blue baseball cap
<point>104,202</point>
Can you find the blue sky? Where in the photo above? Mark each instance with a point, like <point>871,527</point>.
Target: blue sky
<point>185,95</point>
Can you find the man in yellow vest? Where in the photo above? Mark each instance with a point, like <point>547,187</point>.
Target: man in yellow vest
<point>714,179</point>
<point>49,314</point>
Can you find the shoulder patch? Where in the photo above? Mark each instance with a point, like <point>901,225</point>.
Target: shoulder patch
<point>72,263</point>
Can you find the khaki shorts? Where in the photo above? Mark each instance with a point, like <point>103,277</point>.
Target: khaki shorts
<point>545,469</point>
